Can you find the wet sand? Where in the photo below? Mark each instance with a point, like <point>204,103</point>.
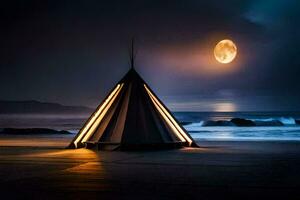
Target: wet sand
<point>41,168</point>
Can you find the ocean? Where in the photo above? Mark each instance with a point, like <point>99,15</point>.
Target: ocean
<point>209,126</point>
<point>216,126</point>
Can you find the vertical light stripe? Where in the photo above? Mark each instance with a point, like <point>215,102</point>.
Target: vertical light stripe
<point>95,116</point>
<point>164,116</point>
<point>99,119</point>
<point>169,116</point>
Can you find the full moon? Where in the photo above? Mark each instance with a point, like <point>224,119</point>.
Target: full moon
<point>225,51</point>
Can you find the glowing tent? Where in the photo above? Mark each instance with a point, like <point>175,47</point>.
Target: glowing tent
<point>132,117</point>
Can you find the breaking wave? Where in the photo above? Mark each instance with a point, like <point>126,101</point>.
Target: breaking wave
<point>242,126</point>
<point>281,121</point>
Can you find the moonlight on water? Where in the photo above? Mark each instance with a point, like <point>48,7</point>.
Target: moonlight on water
<point>225,51</point>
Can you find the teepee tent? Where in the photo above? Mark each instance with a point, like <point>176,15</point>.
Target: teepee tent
<point>132,117</point>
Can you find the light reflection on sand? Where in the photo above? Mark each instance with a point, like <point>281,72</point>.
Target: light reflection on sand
<point>68,154</point>
<point>87,168</point>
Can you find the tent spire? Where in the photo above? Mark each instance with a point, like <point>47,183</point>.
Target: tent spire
<point>132,54</point>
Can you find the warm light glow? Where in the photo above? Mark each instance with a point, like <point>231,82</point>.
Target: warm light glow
<point>225,51</point>
<point>87,168</point>
<point>169,119</point>
<point>77,154</point>
<point>96,115</point>
<point>193,59</point>
<point>106,107</point>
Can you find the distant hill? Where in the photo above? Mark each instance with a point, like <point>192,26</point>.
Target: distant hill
<point>37,107</point>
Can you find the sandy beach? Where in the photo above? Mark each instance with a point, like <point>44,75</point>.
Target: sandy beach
<point>41,168</point>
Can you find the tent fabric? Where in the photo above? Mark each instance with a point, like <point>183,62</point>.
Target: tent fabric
<point>132,117</point>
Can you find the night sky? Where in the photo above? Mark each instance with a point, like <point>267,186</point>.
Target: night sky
<point>73,52</point>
